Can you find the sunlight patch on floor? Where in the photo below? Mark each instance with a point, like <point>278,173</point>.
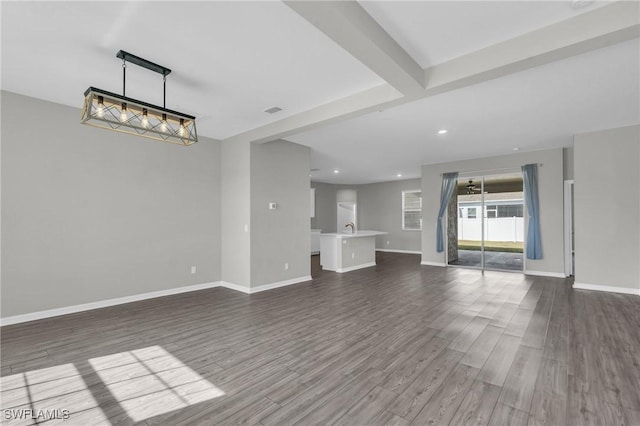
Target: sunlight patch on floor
<point>150,381</point>
<point>58,393</point>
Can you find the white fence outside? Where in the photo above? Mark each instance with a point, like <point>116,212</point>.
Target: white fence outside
<point>496,229</point>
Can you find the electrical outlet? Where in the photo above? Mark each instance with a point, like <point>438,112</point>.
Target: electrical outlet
<point>353,255</point>
<point>387,242</point>
<point>286,266</point>
<point>246,228</point>
<point>194,269</point>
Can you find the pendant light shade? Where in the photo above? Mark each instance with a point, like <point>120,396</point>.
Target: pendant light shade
<point>111,111</point>
<point>115,112</point>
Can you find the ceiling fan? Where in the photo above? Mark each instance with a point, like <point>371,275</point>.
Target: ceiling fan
<point>471,187</point>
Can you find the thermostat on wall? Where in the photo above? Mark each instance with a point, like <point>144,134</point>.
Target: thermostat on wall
<point>273,206</point>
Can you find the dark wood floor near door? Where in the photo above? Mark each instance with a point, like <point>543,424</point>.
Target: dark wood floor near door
<point>396,344</point>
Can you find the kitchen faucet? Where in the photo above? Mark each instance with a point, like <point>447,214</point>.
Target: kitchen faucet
<point>353,227</point>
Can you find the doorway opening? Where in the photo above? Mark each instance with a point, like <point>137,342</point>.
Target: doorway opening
<point>485,223</point>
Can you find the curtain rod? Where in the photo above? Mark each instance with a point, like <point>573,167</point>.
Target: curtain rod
<point>513,169</point>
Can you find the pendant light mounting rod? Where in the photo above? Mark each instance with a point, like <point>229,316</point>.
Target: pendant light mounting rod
<point>128,57</point>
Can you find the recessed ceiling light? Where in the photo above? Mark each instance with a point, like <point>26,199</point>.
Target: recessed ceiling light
<point>399,175</point>
<point>442,132</point>
<point>336,171</point>
<point>516,149</point>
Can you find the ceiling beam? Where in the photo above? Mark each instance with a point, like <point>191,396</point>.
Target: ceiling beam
<point>605,26</point>
<point>352,28</point>
<point>373,99</point>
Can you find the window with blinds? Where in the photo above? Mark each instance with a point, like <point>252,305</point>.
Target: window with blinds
<point>411,210</point>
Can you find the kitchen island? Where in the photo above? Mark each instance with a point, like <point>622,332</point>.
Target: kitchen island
<point>344,252</point>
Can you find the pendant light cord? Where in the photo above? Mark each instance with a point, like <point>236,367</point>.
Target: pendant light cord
<point>164,91</point>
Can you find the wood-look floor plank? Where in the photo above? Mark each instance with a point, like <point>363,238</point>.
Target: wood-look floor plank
<point>518,387</point>
<point>311,399</point>
<point>586,405</point>
<point>519,322</point>
<point>252,414</point>
<point>468,335</point>
<point>387,418</point>
<point>455,327</point>
<point>415,396</point>
<point>503,316</point>
<point>536,331</point>
<point>368,408</point>
<point>481,349</point>
<point>492,307</point>
<point>349,395</point>
<point>504,415</point>
<point>399,378</point>
<point>548,409</point>
<point>445,401</point>
<point>549,403</point>
<point>497,366</point>
<point>478,404</point>
<point>632,417</point>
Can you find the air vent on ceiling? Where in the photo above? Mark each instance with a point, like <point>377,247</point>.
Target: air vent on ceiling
<point>315,170</point>
<point>273,110</point>
<point>579,4</point>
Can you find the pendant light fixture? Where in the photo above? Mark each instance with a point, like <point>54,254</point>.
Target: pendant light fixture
<point>117,112</point>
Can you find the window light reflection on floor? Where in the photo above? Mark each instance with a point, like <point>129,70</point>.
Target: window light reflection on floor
<point>150,381</point>
<point>50,393</point>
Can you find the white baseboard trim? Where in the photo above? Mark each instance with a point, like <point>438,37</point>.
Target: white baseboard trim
<point>428,263</point>
<point>280,284</point>
<point>265,287</point>
<point>399,251</point>
<point>353,268</point>
<point>546,274</point>
<point>16,319</point>
<point>236,287</point>
<point>607,288</point>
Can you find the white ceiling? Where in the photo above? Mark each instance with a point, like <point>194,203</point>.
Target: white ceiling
<point>531,110</point>
<point>433,32</point>
<point>230,60</point>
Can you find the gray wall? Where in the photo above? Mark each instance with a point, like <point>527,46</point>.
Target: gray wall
<point>327,205</point>
<point>89,215</point>
<point>325,217</point>
<point>380,205</point>
<point>607,207</point>
<point>279,174</point>
<point>550,177</point>
<point>236,214</point>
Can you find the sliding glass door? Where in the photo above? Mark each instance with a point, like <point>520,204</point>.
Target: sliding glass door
<point>464,224</point>
<point>485,223</point>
